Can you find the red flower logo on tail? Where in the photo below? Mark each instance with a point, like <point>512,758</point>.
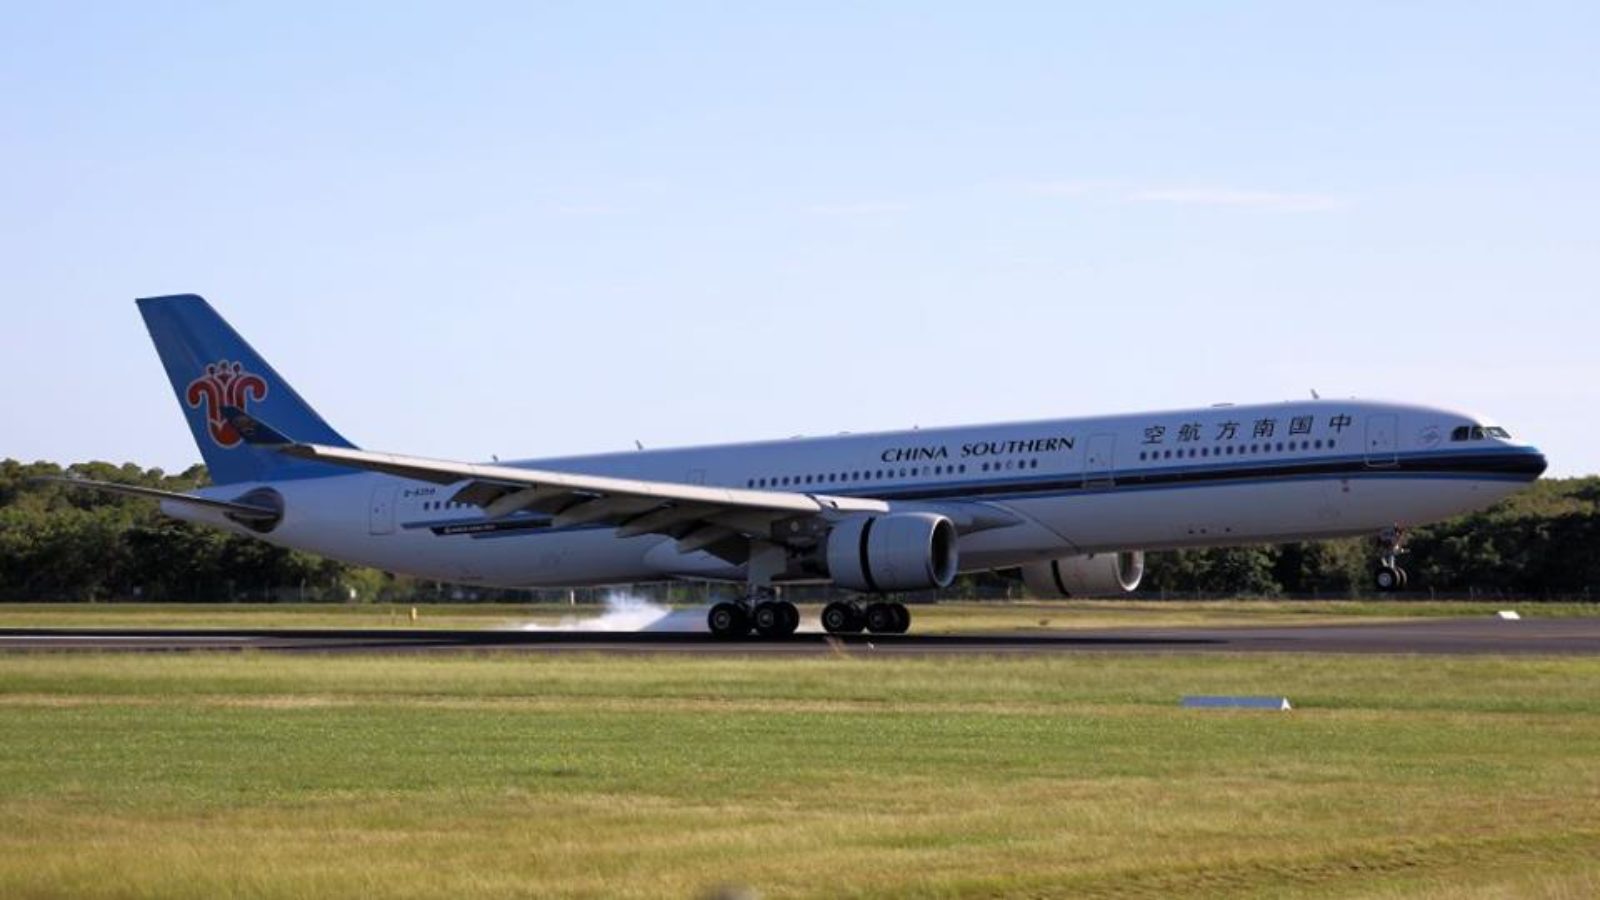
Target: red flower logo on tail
<point>224,384</point>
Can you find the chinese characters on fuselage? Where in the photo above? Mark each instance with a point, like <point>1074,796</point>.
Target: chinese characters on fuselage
<point>1259,429</point>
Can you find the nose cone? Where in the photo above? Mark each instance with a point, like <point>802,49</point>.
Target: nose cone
<point>1536,463</point>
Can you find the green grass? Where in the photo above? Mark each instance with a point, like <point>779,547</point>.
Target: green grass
<point>526,775</point>
<point>942,618</point>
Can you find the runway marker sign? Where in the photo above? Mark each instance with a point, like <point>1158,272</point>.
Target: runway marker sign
<point>1203,701</point>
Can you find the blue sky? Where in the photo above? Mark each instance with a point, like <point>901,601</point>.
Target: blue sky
<point>529,229</point>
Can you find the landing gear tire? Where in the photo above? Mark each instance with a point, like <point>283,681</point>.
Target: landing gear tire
<point>728,620</point>
<point>882,618</point>
<point>1388,579</point>
<point>775,618</point>
<point>902,618</point>
<point>840,617</point>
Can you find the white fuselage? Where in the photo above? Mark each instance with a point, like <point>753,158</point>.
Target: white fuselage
<point>1213,476</point>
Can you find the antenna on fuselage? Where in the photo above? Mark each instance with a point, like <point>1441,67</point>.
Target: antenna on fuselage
<point>638,444</point>
<point>1315,395</point>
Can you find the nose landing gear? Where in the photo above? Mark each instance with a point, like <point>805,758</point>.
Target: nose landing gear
<point>1389,577</point>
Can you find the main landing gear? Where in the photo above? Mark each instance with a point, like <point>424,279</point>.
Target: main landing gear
<point>841,617</point>
<point>760,607</point>
<point>762,610</point>
<point>1389,576</point>
<point>769,616</point>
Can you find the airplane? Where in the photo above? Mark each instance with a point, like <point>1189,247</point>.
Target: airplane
<point>1070,506</point>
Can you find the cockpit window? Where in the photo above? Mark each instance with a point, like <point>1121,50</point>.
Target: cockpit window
<point>1479,432</point>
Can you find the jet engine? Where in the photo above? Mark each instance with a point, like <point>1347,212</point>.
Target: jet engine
<point>1094,575</point>
<point>896,552</point>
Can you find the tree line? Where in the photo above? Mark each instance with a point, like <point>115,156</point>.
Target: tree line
<point>59,543</point>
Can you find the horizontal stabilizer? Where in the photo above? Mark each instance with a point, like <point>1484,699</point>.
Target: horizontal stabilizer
<point>247,511</point>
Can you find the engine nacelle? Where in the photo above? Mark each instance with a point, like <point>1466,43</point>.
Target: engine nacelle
<point>1094,575</point>
<point>897,552</point>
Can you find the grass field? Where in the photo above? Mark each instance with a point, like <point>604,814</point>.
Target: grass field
<point>929,619</point>
<point>501,776</point>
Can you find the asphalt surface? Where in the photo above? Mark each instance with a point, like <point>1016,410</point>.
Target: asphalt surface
<point>1441,636</point>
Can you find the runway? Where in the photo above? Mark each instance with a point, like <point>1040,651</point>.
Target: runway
<point>1573,636</point>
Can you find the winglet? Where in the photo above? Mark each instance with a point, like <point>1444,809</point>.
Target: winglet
<point>253,430</point>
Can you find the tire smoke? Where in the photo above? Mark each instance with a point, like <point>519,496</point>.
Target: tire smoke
<point>627,612</point>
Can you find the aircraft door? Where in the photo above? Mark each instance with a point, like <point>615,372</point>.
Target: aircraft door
<point>1099,466</point>
<point>1382,444</point>
<point>380,512</point>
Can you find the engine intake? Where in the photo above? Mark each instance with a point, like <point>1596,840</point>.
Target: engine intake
<point>897,552</point>
<point>1094,575</point>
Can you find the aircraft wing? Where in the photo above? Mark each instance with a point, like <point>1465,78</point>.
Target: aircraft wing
<point>699,517</point>
<point>720,520</point>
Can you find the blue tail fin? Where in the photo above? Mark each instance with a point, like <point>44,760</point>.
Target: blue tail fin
<point>213,369</point>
